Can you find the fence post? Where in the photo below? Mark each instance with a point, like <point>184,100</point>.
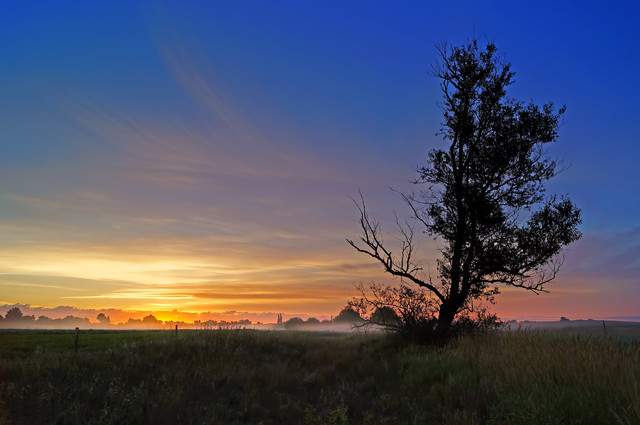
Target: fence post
<point>75,341</point>
<point>176,330</point>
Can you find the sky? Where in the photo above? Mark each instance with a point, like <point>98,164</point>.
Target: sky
<point>190,157</point>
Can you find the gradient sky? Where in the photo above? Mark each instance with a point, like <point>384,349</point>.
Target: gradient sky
<point>201,156</point>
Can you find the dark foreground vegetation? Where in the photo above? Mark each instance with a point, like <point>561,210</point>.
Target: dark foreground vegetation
<point>289,377</point>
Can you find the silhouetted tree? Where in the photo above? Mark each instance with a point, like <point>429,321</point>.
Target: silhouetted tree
<point>133,322</point>
<point>44,320</point>
<point>103,319</point>
<point>73,322</point>
<point>484,196</point>
<point>312,321</point>
<point>151,320</point>
<point>348,315</point>
<point>293,323</point>
<point>14,314</point>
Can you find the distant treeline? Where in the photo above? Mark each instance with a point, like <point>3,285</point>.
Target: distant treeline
<point>14,318</point>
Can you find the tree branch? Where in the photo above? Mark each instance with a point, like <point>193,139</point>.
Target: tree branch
<point>374,247</point>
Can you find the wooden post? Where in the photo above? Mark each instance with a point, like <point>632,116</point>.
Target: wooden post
<point>176,330</point>
<point>75,342</point>
<point>604,327</point>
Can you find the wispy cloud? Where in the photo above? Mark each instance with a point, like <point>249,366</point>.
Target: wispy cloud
<point>183,211</point>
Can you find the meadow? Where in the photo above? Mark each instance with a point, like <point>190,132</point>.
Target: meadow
<point>242,376</point>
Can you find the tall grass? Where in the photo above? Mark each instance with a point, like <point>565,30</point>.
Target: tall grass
<point>245,376</point>
<point>535,378</point>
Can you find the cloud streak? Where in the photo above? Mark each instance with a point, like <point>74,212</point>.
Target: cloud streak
<point>151,214</point>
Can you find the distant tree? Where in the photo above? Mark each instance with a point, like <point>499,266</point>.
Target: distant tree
<point>348,315</point>
<point>484,196</point>
<point>14,314</point>
<point>151,320</point>
<point>133,322</point>
<point>312,321</point>
<point>564,319</point>
<point>74,321</point>
<point>293,323</point>
<point>103,319</point>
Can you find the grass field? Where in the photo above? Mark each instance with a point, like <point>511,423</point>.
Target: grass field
<point>288,377</point>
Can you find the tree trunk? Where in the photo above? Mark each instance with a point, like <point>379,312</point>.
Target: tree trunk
<point>445,318</point>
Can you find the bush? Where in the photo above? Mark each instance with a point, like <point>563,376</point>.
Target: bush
<point>412,313</point>
<point>407,311</point>
<point>480,322</point>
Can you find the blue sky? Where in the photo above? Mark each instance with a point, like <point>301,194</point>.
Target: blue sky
<point>202,156</point>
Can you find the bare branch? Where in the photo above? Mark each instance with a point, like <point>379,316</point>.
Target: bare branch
<point>403,267</point>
